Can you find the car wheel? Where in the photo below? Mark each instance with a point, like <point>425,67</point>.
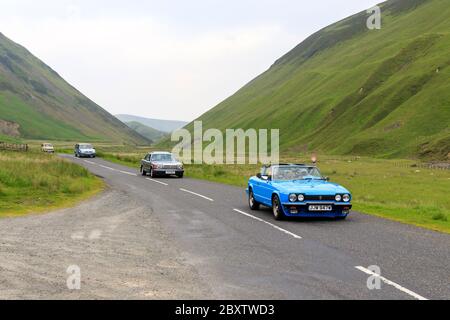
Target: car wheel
<point>152,173</point>
<point>143,172</point>
<point>252,203</point>
<point>276,208</point>
<point>180,175</point>
<point>341,218</point>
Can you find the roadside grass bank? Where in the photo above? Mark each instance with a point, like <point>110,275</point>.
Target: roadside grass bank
<point>394,189</point>
<point>33,182</point>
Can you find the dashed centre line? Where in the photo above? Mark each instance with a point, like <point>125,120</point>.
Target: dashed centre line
<point>128,173</point>
<point>268,223</point>
<point>160,182</point>
<point>105,167</point>
<point>197,194</point>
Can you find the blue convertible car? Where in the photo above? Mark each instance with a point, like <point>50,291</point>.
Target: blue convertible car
<point>297,190</point>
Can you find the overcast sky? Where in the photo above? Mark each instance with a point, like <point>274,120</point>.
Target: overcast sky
<point>171,59</point>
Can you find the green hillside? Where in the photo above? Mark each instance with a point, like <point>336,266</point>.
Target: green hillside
<point>351,90</point>
<point>44,106</point>
<point>146,131</point>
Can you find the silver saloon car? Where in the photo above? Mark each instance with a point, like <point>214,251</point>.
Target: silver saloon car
<point>161,164</point>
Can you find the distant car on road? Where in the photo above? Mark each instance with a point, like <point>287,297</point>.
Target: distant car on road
<point>161,164</point>
<point>84,150</point>
<point>47,147</point>
<point>298,190</point>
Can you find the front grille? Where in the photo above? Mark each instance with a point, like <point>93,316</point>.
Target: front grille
<point>170,166</point>
<point>319,198</point>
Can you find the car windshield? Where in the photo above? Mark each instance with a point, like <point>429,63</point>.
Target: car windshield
<point>163,157</point>
<point>48,145</point>
<point>285,173</point>
<point>86,146</point>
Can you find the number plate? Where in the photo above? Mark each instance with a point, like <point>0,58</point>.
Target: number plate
<point>170,171</point>
<point>320,208</point>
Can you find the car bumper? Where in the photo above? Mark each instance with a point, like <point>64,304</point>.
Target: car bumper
<point>168,172</point>
<point>302,210</point>
<point>87,155</point>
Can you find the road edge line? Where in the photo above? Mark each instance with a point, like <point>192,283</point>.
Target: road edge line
<point>392,283</point>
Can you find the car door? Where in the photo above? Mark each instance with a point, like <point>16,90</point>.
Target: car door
<point>259,187</point>
<point>266,188</point>
<point>146,162</point>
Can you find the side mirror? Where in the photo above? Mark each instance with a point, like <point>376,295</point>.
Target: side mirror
<point>265,178</point>
<point>327,179</point>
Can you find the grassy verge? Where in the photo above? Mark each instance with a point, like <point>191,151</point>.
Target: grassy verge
<point>33,182</point>
<point>392,189</point>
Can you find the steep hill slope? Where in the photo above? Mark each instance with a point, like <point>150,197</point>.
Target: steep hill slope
<point>161,125</point>
<point>146,131</point>
<point>42,105</point>
<point>351,90</point>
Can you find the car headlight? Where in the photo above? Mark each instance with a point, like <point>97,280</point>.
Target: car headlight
<point>346,197</point>
<point>301,198</point>
<point>338,198</point>
<point>292,197</point>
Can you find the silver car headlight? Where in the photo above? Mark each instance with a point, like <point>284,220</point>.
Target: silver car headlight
<point>293,197</point>
<point>346,198</point>
<point>301,198</point>
<point>338,198</point>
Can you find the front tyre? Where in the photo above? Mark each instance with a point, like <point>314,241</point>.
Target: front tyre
<point>277,209</point>
<point>252,203</point>
<point>180,175</point>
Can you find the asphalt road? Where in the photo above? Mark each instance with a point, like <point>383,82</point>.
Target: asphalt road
<point>185,238</point>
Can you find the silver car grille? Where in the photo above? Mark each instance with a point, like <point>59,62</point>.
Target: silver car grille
<point>170,166</point>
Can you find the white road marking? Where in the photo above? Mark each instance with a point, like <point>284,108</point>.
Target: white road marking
<point>109,168</point>
<point>197,194</point>
<point>90,162</point>
<point>153,180</point>
<point>270,224</point>
<point>129,173</point>
<point>389,282</point>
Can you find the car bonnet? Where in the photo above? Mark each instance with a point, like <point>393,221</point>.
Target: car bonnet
<point>312,187</point>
